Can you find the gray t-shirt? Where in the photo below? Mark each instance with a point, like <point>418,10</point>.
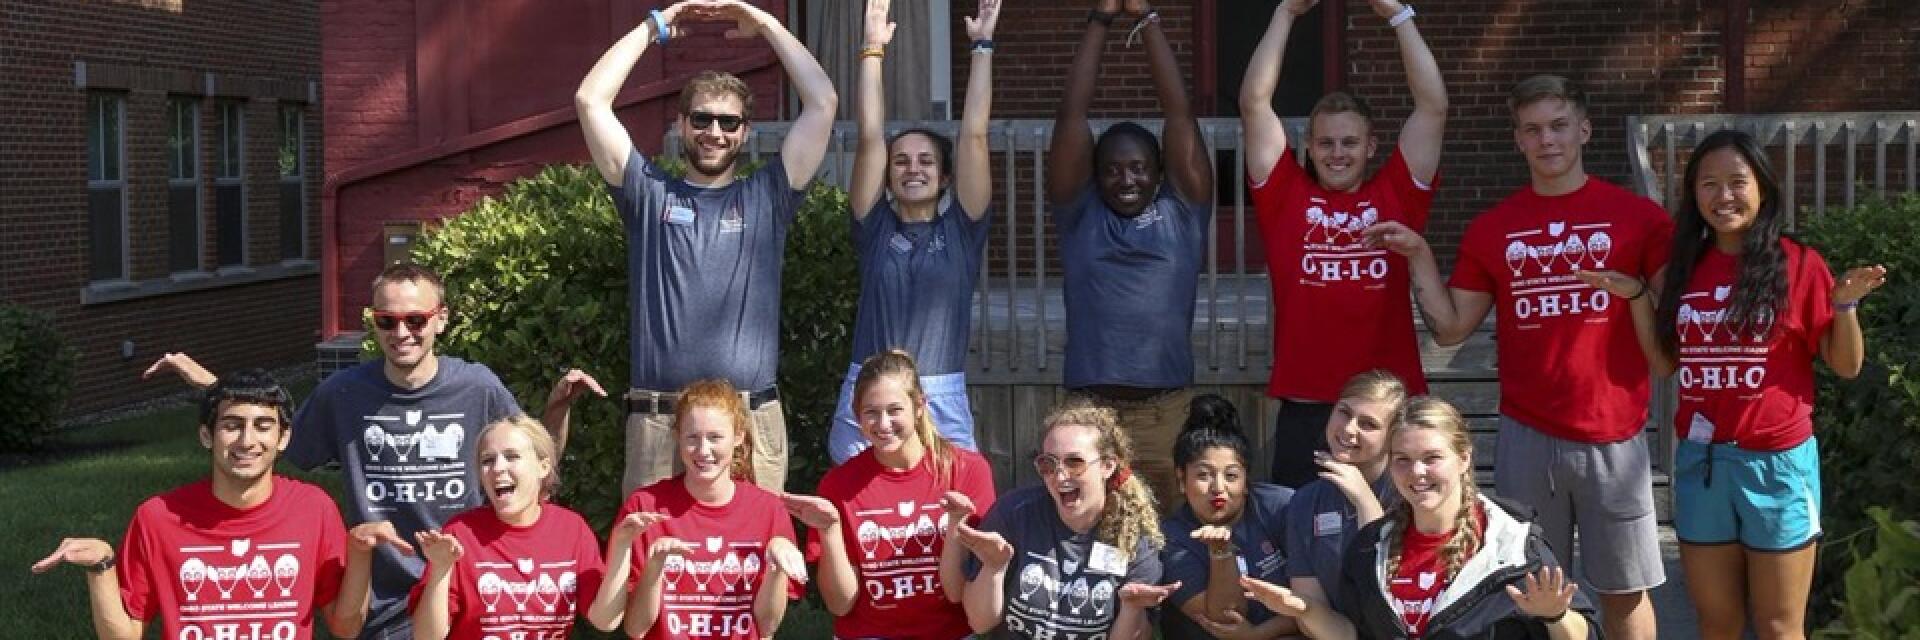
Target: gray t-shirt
<point>1130,285</point>
<point>1258,534</point>
<point>1060,585</point>
<point>1320,522</point>
<point>406,455</point>
<point>916,284</point>
<point>703,275</point>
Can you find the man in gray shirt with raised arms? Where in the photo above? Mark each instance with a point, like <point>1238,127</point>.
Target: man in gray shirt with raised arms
<point>704,251</point>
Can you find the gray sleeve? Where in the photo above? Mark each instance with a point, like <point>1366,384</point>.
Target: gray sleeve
<point>313,444</point>
<point>634,197</point>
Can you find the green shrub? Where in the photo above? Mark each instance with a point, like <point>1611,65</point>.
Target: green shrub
<point>537,281</point>
<point>1869,427</point>
<point>1883,589</point>
<point>36,371</point>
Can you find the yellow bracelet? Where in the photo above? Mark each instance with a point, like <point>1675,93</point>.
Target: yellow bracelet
<point>873,52</point>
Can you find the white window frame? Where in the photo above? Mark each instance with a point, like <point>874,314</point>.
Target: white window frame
<point>119,181</point>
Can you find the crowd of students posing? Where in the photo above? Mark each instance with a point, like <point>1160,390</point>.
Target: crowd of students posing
<point>1146,515</point>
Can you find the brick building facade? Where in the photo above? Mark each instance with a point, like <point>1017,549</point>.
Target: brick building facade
<point>160,172</point>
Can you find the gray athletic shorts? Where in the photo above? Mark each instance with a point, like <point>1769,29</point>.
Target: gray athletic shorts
<point>1605,490</point>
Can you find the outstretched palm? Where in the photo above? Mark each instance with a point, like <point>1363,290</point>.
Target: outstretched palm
<point>980,27</point>
<point>879,29</point>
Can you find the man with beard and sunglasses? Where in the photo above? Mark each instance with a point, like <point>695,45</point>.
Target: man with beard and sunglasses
<point>403,428</point>
<point>704,251</point>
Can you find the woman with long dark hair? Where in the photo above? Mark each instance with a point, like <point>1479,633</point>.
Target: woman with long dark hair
<point>1742,314</point>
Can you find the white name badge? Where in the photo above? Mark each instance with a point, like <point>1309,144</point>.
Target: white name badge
<point>900,243</point>
<point>1326,524</point>
<point>1106,559</point>
<point>679,215</point>
<point>1700,431</point>
<point>1242,561</point>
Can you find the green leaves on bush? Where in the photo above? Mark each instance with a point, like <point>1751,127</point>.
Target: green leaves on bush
<point>1883,589</point>
<point>1869,428</point>
<point>36,371</point>
<point>537,283</point>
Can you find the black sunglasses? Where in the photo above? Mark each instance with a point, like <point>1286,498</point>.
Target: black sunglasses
<point>416,320</point>
<point>728,123</point>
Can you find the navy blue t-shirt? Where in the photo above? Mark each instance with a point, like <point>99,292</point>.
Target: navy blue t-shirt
<point>1060,585</point>
<point>1260,536</point>
<point>703,275</point>
<point>1320,522</point>
<point>406,454</point>
<point>916,284</point>
<point>1130,285</point>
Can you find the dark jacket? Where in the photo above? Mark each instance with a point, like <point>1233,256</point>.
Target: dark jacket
<point>1475,604</point>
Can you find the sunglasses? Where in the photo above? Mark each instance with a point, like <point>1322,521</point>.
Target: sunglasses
<point>728,123</point>
<point>416,320</point>
<point>1048,463</point>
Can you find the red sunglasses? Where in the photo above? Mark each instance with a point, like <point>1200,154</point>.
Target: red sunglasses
<point>416,320</point>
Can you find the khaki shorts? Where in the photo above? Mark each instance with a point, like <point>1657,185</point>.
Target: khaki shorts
<point>1153,423</point>
<point>653,453</point>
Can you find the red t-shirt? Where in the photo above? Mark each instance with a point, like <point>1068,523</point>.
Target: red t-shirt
<point>1339,308</point>
<point>512,580</point>
<point>1422,576</point>
<point>210,570</point>
<point>892,522</point>
<point>1570,363</point>
<point>1751,385</point>
<point>709,593</point>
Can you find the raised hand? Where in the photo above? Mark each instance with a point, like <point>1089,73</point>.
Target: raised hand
<point>992,549</point>
<point>571,385</point>
<point>1386,9</point>
<point>634,524</point>
<point>1214,536</point>
<point>1548,593</point>
<point>1277,598</point>
<point>667,547</point>
<point>1857,283</point>
<point>813,511</point>
<point>81,552</point>
<point>1300,7</point>
<point>879,28</point>
<point>1345,477</point>
<point>1146,596</point>
<point>367,535</point>
<point>1394,237</point>
<point>1138,8</point>
<point>441,549</point>
<point>1613,282</point>
<point>958,507</point>
<point>980,27</point>
<point>1107,6</point>
<point>783,557</point>
<point>746,17</point>
<point>180,364</point>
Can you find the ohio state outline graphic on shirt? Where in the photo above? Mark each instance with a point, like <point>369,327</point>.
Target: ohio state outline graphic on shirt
<point>235,588</point>
<point>709,592</point>
<point>415,457</point>
<point>1543,260</point>
<point>896,557</point>
<point>527,595</point>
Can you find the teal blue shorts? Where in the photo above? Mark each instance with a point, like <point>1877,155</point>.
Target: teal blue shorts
<point>1764,500</point>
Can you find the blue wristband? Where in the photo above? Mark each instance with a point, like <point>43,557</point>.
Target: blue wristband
<point>983,43</point>
<point>660,31</point>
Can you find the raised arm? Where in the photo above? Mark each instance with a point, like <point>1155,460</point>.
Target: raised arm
<point>432,618</point>
<point>1420,136</point>
<point>973,171</point>
<point>607,139</point>
<point>806,143</point>
<point>770,602</point>
<point>559,409</point>
<point>609,605</point>
<point>1844,348</point>
<point>839,584</point>
<point>870,113</point>
<point>644,608</point>
<point>1266,135</point>
<point>1188,163</point>
<point>1451,314</point>
<point>110,619</point>
<point>348,611</point>
<point>181,364</point>
<point>1070,153</point>
<point>986,592</point>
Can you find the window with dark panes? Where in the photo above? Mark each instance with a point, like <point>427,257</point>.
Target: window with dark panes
<point>106,187</point>
<point>293,171</point>
<point>183,184</point>
<point>229,186</point>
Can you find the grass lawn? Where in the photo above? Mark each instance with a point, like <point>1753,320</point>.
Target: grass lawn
<point>89,485</point>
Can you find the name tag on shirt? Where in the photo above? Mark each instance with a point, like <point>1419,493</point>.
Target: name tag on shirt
<point>900,243</point>
<point>1327,524</point>
<point>1242,561</point>
<point>679,215</point>
<point>1106,559</point>
<point>1700,431</point>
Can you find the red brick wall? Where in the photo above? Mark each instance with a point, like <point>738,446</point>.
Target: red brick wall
<point>146,51</point>
<point>1833,55</point>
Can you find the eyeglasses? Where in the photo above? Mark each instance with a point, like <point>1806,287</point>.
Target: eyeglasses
<point>416,320</point>
<point>728,123</point>
<point>1048,463</point>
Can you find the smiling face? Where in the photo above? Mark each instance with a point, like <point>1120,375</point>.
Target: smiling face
<point>1215,484</point>
<point>888,415</point>
<point>1074,471</point>
<point>1727,193</point>
<point>708,438</point>
<point>1357,430</point>
<point>1128,175</point>
<point>1551,133</point>
<point>245,440</point>
<point>1428,471</point>
<point>710,151</point>
<point>513,471</point>
<point>1339,144</point>
<point>404,345</point>
<point>914,173</point>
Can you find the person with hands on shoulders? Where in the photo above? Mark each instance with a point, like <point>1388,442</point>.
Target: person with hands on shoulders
<point>1746,462</point>
<point>704,250</point>
<point>920,217</point>
<point>1346,307</point>
<point>1076,558</point>
<point>283,538</point>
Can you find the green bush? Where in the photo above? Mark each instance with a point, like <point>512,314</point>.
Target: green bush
<point>537,281</point>
<point>36,371</point>
<point>1883,589</point>
<point>1869,427</point>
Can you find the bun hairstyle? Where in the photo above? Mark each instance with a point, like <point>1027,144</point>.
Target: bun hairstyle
<point>1129,515</point>
<point>897,365</point>
<point>1428,412</point>
<point>720,394</point>
<point>1212,421</point>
